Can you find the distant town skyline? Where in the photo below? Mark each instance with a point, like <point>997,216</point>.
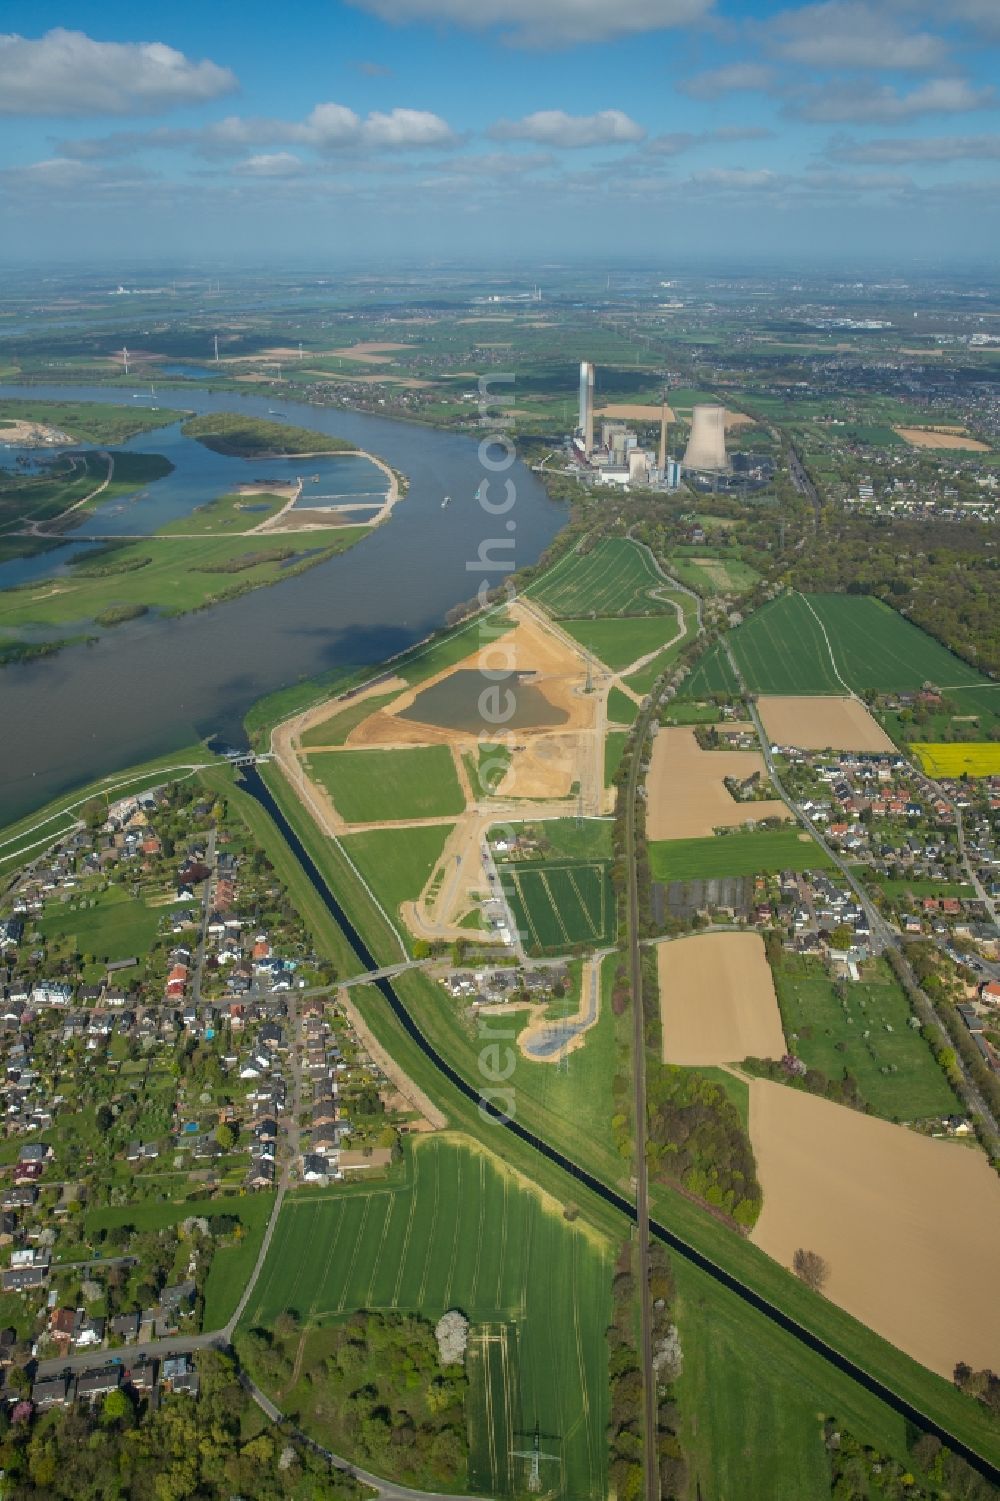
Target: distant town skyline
<point>502,130</point>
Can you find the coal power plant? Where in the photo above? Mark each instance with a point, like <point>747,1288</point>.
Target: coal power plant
<point>706,447</point>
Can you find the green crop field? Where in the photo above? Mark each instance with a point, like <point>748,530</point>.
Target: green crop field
<point>864,1028</point>
<point>744,853</point>
<point>621,708</point>
<point>614,747</point>
<point>397,863</point>
<point>616,577</point>
<point>335,730</point>
<point>368,786</point>
<point>621,642</point>
<point>460,1230</point>
<point>782,649</point>
<point>711,674</point>
<point>559,904</point>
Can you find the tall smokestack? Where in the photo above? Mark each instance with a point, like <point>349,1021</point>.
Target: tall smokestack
<point>587,404</point>
<point>706,446</point>
<point>663,441</point>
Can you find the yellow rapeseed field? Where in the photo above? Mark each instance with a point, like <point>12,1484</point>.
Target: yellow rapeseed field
<point>977,758</point>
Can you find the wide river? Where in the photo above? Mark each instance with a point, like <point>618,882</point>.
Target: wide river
<point>154,685</point>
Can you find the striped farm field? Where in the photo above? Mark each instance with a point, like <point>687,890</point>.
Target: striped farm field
<point>616,577</point>
<point>558,904</point>
<point>974,759</point>
<point>458,1229</point>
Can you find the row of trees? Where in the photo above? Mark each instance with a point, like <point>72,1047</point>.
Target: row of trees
<point>625,1438</point>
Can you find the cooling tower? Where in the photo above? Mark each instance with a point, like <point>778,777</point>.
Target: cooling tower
<point>706,448</point>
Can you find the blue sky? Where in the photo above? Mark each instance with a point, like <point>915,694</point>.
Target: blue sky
<point>648,130</point>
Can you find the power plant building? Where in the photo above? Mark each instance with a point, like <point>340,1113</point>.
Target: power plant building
<point>706,447</point>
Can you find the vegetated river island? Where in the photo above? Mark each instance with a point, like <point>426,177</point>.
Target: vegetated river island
<point>230,544</point>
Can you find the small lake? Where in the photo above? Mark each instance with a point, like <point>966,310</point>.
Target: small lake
<point>454,703</point>
<point>154,684</point>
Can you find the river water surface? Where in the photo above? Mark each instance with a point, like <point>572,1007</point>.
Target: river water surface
<point>154,685</point>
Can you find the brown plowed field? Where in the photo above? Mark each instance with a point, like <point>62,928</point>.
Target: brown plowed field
<point>924,437</point>
<point>717,1001</point>
<point>687,797</point>
<point>909,1226</point>
<point>822,722</point>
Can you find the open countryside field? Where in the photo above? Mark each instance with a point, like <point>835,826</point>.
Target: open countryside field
<point>711,674</point>
<point>464,1231</point>
<point>373,785</point>
<point>927,437</point>
<point>686,794</point>
<point>974,759</point>
<point>882,1206</point>
<point>618,643</point>
<point>616,577</point>
<point>825,722</point>
<point>558,904</point>
<point>713,574</point>
<point>781,650</point>
<point>397,863</point>
<point>757,851</point>
<point>717,1002</point>
<point>863,1028</point>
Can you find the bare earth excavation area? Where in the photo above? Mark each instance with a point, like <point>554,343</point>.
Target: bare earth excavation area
<point>687,796</point>
<point>822,722</point>
<point>717,1001</point>
<point>909,1226</point>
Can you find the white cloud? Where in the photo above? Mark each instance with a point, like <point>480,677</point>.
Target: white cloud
<point>917,149</point>
<point>852,34</point>
<point>272,164</point>
<point>68,73</point>
<point>546,23</point>
<point>328,127</point>
<point>553,127</point>
<point>732,79</point>
<point>402,128</point>
<point>848,101</point>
